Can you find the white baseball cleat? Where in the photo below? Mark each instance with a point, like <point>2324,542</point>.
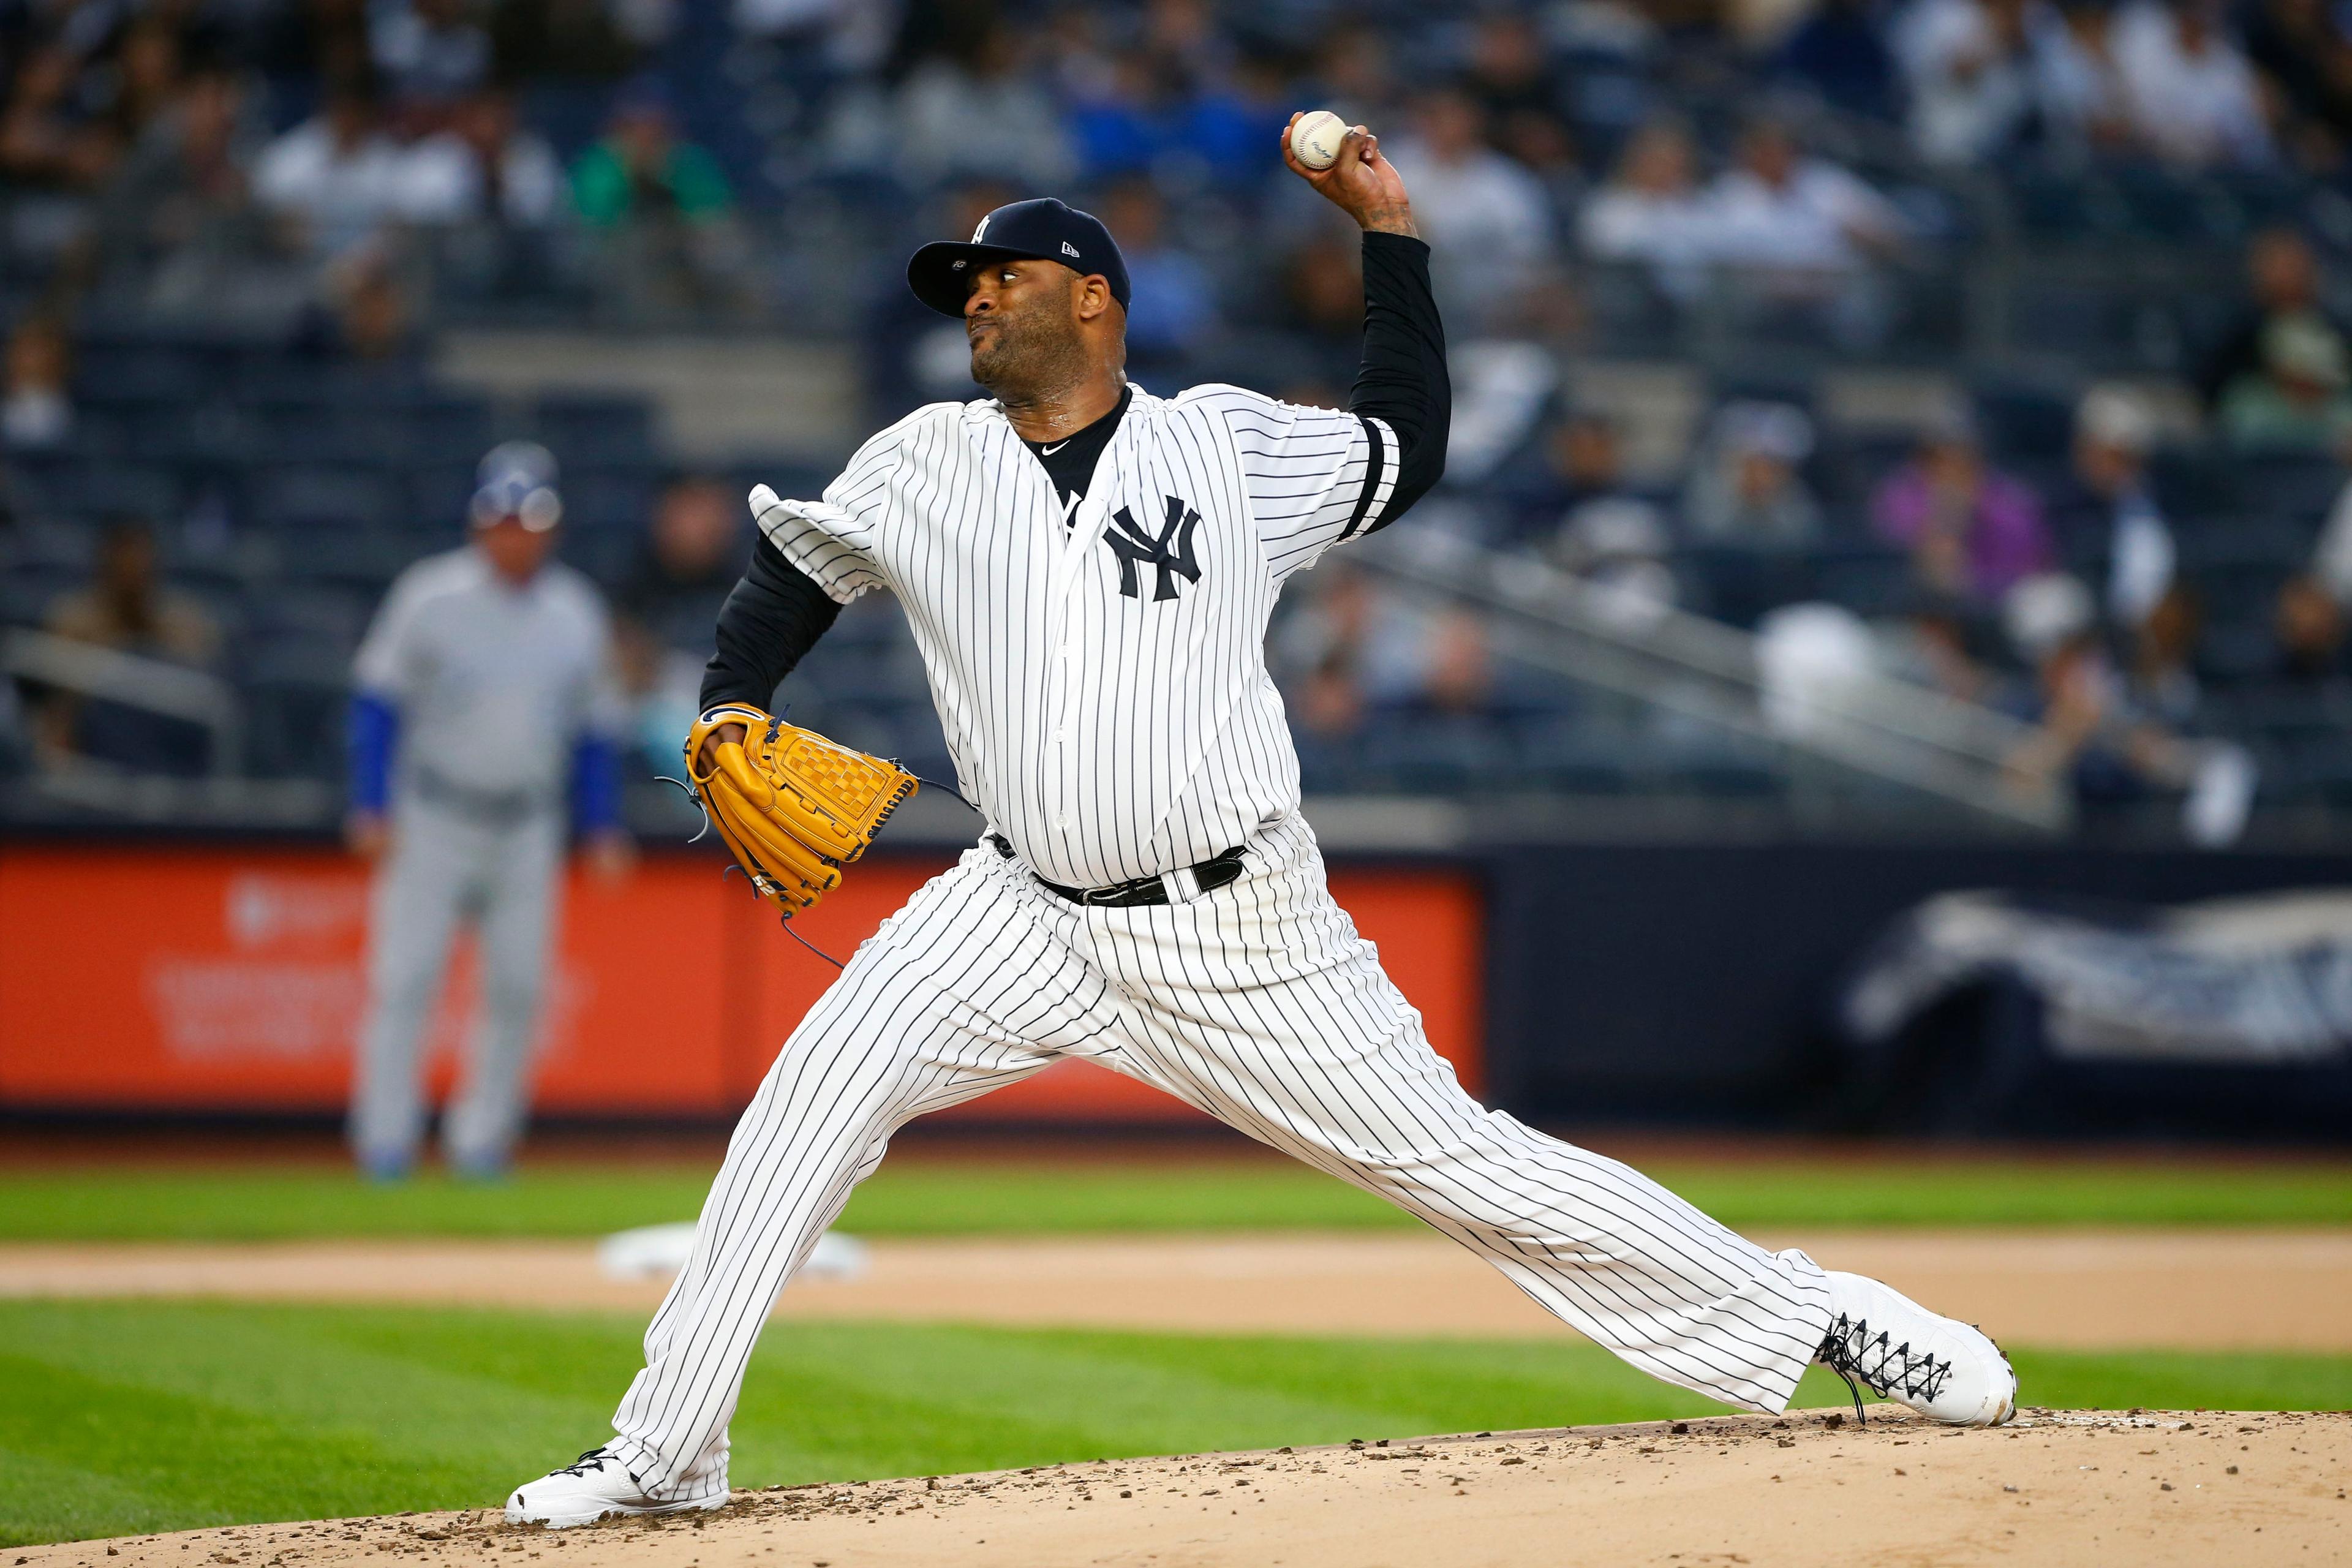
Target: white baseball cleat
<point>593,1487</point>
<point>1946,1370</point>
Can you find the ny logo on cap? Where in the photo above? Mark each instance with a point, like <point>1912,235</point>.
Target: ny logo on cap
<point>982,232</point>
<point>1137,548</point>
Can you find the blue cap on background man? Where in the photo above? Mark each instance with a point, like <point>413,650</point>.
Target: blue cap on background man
<point>517,480</point>
<point>1041,229</point>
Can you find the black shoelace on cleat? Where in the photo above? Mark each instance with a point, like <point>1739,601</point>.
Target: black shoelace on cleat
<point>594,1459</point>
<point>1873,1362</point>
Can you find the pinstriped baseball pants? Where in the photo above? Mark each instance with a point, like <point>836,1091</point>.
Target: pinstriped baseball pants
<point>1258,1003</point>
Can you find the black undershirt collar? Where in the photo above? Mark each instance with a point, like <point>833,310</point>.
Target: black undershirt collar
<point>1070,461</point>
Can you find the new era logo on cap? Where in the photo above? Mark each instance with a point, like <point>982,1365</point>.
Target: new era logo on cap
<point>1069,250</point>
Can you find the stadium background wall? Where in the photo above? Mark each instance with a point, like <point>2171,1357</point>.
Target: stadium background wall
<point>1694,981</point>
<point>229,979</point>
<point>1647,981</point>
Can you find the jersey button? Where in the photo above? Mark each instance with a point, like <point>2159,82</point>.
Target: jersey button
<point>1060,736</point>
<point>1061,819</point>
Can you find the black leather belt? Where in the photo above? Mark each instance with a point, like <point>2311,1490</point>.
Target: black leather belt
<point>1213,873</point>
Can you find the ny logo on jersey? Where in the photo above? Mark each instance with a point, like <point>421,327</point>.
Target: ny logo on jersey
<point>1136,548</point>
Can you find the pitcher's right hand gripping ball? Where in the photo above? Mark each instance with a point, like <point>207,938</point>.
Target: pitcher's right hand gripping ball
<point>792,806</point>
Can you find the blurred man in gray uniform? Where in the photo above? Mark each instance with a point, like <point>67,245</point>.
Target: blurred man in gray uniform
<point>482,684</point>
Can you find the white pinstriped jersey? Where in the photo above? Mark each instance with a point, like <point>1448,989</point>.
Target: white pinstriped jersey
<point>1101,680</point>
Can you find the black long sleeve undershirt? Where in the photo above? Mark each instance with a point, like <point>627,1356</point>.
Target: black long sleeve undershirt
<point>770,621</point>
<point>1403,378</point>
<point>775,615</point>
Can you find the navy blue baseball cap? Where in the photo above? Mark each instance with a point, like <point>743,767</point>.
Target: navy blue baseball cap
<point>1041,229</point>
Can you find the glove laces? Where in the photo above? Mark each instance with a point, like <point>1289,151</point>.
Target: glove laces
<point>1873,1361</point>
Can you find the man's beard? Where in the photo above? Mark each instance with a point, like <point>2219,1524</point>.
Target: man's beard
<point>1021,361</point>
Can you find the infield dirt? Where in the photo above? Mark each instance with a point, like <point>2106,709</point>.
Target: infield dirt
<point>2058,1487</point>
<point>2112,1289</point>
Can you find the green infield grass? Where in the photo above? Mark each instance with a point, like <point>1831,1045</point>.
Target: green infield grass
<point>921,1196</point>
<point>124,1417</point>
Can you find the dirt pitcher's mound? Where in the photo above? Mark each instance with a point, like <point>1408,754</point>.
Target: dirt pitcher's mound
<point>2059,1487</point>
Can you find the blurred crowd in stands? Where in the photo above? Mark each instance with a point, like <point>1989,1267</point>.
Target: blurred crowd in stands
<point>2012,331</point>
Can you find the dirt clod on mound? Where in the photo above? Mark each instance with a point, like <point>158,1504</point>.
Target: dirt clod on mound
<point>2057,1487</point>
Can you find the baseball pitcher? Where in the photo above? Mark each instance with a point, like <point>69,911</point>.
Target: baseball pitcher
<point>482,699</point>
<point>1088,570</point>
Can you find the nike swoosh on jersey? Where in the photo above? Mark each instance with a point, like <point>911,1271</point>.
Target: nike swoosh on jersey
<point>1057,446</point>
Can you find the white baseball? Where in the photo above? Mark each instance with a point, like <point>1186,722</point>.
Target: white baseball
<point>1315,140</point>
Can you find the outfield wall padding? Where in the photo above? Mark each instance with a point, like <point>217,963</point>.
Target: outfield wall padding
<point>230,980</point>
<point>1568,982</point>
<point>1695,980</point>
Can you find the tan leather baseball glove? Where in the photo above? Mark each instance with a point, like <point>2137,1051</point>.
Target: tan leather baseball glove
<point>792,806</point>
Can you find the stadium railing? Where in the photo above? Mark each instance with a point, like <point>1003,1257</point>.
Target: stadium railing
<point>1891,730</point>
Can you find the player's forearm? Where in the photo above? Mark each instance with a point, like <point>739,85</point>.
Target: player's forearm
<point>1402,381</point>
<point>770,620</point>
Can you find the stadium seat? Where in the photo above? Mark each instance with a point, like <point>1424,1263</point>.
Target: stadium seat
<point>2320,767</point>
<point>2189,480</point>
<point>301,378</point>
<point>99,433</point>
<point>2025,423</point>
<point>1419,753</point>
<point>329,616</point>
<point>2242,648</point>
<point>2050,205</point>
<point>2078,320</point>
<point>2239,591</point>
<point>2289,484</point>
<point>1571,757</point>
<point>1869,582</point>
<point>138,372</point>
<point>307,499</point>
<point>570,114</point>
<point>361,560</point>
<point>437,495</point>
<point>607,500</point>
<point>883,676</point>
<point>2278,708</point>
<point>27,591</point>
<point>2165,204</point>
<point>608,430</point>
<point>294,725</point>
<point>1739,585</point>
<point>38,544</point>
<point>211,434</point>
<point>2267,545</point>
<point>606,557</point>
<point>94,489</point>
<point>452,429</point>
<point>328,432</point>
